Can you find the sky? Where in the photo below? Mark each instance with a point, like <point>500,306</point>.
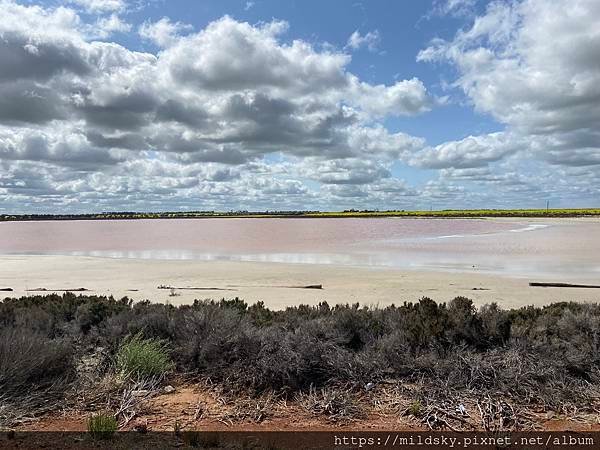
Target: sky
<point>150,105</point>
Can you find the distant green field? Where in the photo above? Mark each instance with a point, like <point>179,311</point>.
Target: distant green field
<point>311,214</point>
<point>465,213</point>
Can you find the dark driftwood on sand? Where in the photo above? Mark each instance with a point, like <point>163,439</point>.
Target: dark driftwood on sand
<point>195,288</point>
<point>310,286</point>
<point>57,290</point>
<point>565,285</point>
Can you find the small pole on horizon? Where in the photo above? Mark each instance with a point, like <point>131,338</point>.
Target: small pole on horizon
<point>547,205</point>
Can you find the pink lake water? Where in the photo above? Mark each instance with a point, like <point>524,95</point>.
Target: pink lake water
<point>516,247</point>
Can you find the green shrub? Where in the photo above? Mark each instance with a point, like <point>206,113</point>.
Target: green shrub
<point>102,426</point>
<point>260,315</point>
<point>143,358</point>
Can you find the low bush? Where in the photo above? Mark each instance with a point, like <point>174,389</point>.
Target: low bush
<point>549,356</point>
<point>30,360</point>
<point>34,371</point>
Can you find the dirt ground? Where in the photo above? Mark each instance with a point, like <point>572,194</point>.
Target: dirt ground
<point>193,407</point>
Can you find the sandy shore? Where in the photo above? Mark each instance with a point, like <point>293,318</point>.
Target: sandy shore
<point>269,282</point>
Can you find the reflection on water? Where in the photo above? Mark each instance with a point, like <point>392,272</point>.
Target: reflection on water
<point>407,260</point>
<point>513,247</point>
<point>532,227</point>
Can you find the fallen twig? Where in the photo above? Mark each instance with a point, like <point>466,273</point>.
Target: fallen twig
<point>129,399</point>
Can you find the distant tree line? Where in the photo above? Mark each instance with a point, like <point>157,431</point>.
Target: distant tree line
<point>129,215</point>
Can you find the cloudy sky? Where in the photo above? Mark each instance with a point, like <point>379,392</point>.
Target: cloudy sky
<point>136,105</point>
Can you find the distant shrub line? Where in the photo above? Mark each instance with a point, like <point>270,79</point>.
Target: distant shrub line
<point>546,355</point>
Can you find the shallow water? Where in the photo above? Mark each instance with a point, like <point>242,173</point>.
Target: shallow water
<point>515,247</point>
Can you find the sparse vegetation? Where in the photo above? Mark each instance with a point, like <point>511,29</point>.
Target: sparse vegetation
<point>544,358</point>
<point>337,405</point>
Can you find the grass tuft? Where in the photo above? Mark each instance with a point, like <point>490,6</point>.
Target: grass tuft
<point>415,409</point>
<point>140,358</point>
<point>102,426</point>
